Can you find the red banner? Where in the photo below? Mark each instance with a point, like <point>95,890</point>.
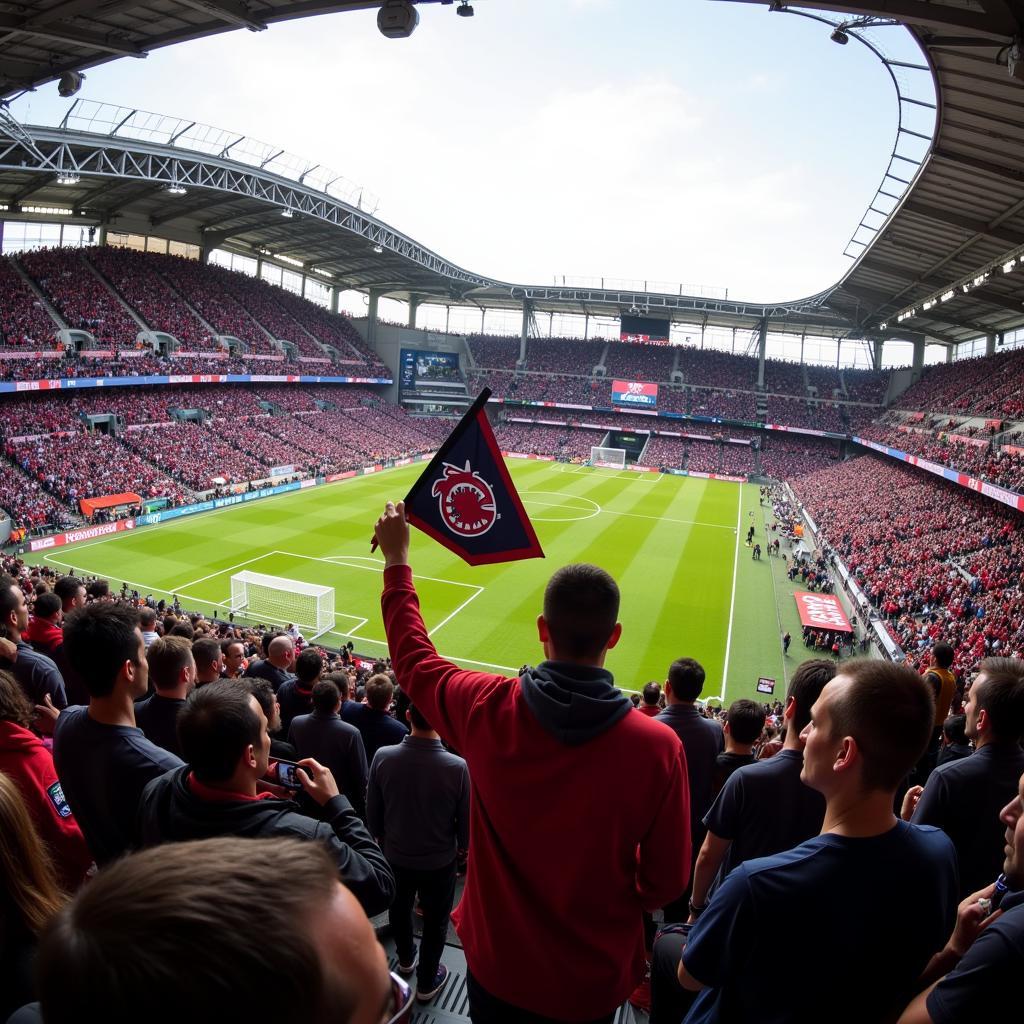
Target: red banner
<point>821,611</point>
<point>74,536</point>
<point>994,424</point>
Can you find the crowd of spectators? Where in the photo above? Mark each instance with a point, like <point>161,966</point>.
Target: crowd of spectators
<point>784,457</point>
<point>24,323</point>
<point>138,281</point>
<point>866,385</point>
<point>933,559</point>
<point>82,300</point>
<point>984,462</point>
<point>80,465</point>
<point>494,352</point>
<point>986,386</point>
<point>785,378</point>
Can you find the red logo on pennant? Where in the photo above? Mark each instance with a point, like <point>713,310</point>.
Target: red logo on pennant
<point>466,501</point>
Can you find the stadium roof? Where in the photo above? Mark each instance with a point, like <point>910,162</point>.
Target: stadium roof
<point>929,253</point>
<point>43,39</point>
<point>962,216</point>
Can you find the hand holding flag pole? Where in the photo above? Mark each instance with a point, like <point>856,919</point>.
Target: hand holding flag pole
<point>465,499</point>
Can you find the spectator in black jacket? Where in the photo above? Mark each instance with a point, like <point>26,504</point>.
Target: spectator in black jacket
<point>373,719</point>
<point>224,738</point>
<point>296,695</point>
<point>337,745</point>
<point>35,672</point>
<point>278,661</point>
<point>102,758</point>
<point>955,744</point>
<point>172,671</point>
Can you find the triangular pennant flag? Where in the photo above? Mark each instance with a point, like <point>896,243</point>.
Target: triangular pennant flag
<point>465,498</point>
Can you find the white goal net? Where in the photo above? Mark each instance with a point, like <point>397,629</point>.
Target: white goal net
<point>611,458</point>
<point>281,601</point>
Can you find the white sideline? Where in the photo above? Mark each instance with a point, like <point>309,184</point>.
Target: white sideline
<point>732,599</point>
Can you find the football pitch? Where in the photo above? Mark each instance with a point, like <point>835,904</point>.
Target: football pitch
<point>674,544</point>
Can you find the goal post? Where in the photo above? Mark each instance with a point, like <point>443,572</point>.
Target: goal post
<point>610,458</point>
<point>280,601</point>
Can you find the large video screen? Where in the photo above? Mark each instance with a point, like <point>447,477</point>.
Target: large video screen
<point>645,329</point>
<point>424,366</point>
<point>634,393</point>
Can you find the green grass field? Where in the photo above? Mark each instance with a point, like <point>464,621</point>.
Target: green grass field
<point>689,585</point>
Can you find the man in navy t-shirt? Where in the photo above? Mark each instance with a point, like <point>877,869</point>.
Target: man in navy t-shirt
<point>862,907</point>
<point>104,761</point>
<point>964,797</point>
<point>985,954</point>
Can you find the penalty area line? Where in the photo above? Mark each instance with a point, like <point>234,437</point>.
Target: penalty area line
<point>732,599</point>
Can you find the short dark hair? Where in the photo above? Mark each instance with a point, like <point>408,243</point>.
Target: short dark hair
<point>890,711</point>
<point>943,655</point>
<point>325,696</point>
<point>183,628</point>
<point>261,689</point>
<point>215,726</point>
<point>309,665</point>
<point>14,705</point>
<point>47,605</point>
<point>167,656</point>
<point>206,652</point>
<point>651,693</point>
<point>379,691</point>
<point>686,677</point>
<point>66,588</point>
<point>8,599</point>
<point>746,720</point>
<point>999,690</point>
<point>177,898</point>
<point>417,719</point>
<point>147,619</point>
<point>955,729</point>
<point>805,688</point>
<point>341,681</point>
<point>98,639</point>
<point>581,607</point>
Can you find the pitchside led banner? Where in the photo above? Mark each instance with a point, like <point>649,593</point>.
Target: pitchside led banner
<point>466,500</point>
<point>630,392</point>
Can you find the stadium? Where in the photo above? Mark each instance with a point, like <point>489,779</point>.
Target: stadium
<point>218,363</point>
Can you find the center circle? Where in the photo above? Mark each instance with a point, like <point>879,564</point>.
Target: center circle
<point>549,506</point>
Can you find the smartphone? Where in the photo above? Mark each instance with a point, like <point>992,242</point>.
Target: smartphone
<point>288,774</point>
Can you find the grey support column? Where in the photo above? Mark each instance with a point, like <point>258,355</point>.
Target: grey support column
<point>371,317</point>
<point>918,364</point>
<point>990,344</point>
<point>876,353</point>
<point>762,348</point>
<point>525,332</point>
<point>335,298</point>
<point>414,305</point>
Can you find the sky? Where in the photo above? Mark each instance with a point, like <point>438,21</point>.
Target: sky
<point>692,142</point>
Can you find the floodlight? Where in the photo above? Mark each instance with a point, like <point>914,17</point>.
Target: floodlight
<point>68,178</point>
<point>397,19</point>
<point>378,248</point>
<point>175,190</point>
<point>287,213</point>
<point>69,83</point>
<point>839,36</point>
<point>465,9</point>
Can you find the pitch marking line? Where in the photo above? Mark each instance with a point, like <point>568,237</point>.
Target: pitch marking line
<point>732,599</point>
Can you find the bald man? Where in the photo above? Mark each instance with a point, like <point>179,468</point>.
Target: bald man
<point>277,667</point>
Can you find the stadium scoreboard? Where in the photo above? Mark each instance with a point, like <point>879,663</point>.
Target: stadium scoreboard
<point>647,330</point>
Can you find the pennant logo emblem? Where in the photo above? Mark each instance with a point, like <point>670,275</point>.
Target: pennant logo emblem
<point>466,501</point>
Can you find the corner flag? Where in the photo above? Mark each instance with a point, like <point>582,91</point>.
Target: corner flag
<point>465,498</point>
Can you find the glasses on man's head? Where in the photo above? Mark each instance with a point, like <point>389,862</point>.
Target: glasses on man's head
<point>400,1003</point>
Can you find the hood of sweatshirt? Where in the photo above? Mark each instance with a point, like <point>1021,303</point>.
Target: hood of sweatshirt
<point>575,703</point>
<point>42,632</point>
<point>16,739</point>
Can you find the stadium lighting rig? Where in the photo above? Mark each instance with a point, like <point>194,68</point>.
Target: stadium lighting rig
<point>397,19</point>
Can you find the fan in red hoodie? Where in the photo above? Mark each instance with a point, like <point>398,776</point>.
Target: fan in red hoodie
<point>25,759</point>
<point>44,632</point>
<point>580,817</point>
